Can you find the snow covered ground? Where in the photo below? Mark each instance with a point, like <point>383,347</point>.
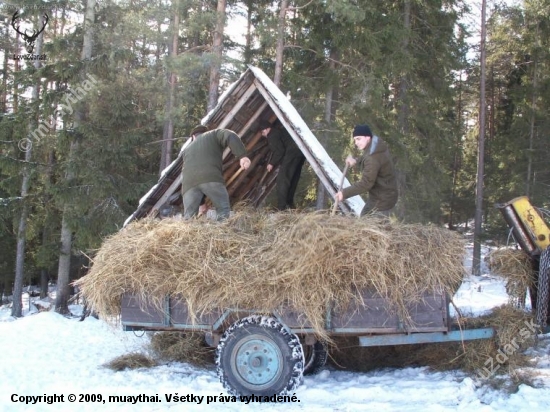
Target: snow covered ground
<point>46,354</point>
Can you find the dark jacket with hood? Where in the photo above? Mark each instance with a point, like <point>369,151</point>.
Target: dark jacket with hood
<point>378,179</point>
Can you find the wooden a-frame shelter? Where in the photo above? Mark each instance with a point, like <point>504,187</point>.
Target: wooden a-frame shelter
<point>253,97</point>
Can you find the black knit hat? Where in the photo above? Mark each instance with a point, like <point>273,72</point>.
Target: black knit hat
<point>362,130</point>
<point>264,124</point>
<point>200,129</point>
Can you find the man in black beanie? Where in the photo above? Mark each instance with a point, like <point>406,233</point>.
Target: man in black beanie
<point>287,154</point>
<point>378,179</point>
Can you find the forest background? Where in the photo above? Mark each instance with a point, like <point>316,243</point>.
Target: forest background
<point>87,126</point>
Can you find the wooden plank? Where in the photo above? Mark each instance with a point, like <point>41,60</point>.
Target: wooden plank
<point>249,124</point>
<point>265,189</point>
<point>229,116</point>
<point>243,176</point>
<point>232,167</point>
<point>253,182</point>
<point>166,195</point>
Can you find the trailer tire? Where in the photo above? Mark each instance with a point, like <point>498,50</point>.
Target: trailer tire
<point>315,358</point>
<point>258,356</point>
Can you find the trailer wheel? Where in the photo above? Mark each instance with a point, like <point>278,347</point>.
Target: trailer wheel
<point>257,355</point>
<point>315,357</point>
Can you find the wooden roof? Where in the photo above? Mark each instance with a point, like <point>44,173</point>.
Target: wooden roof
<point>252,98</point>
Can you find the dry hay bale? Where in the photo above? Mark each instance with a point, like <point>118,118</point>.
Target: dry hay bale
<point>182,347</point>
<point>261,261</point>
<point>516,267</point>
<point>132,360</point>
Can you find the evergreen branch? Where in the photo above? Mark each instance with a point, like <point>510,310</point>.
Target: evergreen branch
<point>295,46</point>
<point>202,47</point>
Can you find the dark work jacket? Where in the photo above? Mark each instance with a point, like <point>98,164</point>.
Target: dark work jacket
<point>281,144</point>
<point>378,179</point>
<point>202,159</point>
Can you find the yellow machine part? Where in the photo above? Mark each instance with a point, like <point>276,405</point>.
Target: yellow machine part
<point>540,233</point>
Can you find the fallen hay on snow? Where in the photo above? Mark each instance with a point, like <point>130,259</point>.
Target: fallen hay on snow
<point>132,360</point>
<point>182,347</point>
<point>260,261</point>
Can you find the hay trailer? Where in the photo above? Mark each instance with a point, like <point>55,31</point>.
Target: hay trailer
<point>266,354</point>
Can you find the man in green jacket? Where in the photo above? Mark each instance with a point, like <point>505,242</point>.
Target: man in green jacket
<point>286,153</point>
<point>202,169</point>
<point>378,179</point>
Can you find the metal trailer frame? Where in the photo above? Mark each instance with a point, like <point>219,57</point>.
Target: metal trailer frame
<point>373,323</point>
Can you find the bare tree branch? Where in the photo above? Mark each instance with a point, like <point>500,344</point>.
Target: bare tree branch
<point>295,46</point>
<point>293,8</point>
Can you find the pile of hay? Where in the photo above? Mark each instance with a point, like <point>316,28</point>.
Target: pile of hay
<point>516,267</point>
<point>132,360</point>
<point>182,347</point>
<point>260,261</point>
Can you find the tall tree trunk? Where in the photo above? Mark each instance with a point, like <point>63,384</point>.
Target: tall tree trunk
<point>403,114</point>
<point>493,114</point>
<point>217,51</point>
<point>16,69</point>
<point>457,154</point>
<point>64,268</point>
<point>21,237</point>
<point>247,55</point>
<point>476,261</point>
<point>46,231</point>
<point>279,51</point>
<point>4,105</point>
<point>159,36</point>
<point>17,308</point>
<point>168,131</point>
<point>529,179</point>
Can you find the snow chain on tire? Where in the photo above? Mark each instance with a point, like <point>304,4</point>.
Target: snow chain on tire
<point>543,292</point>
<point>255,339</point>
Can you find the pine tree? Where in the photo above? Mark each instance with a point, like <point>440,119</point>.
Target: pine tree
<point>63,273</point>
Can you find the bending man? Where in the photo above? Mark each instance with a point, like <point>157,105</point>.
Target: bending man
<point>202,169</point>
